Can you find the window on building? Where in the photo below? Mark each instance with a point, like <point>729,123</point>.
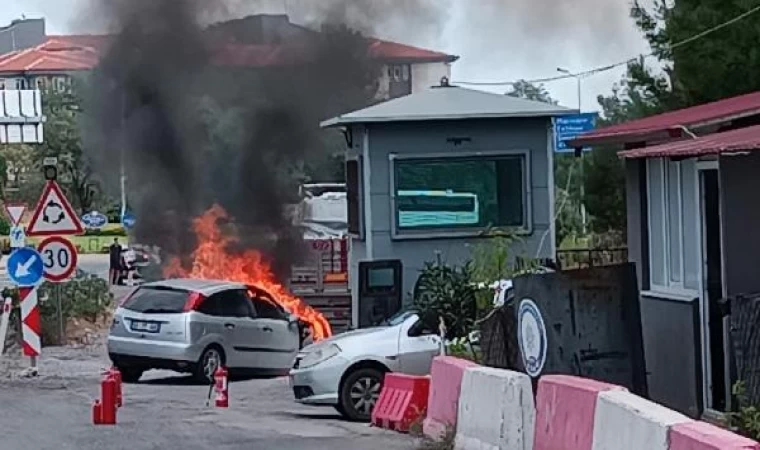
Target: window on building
<point>21,84</point>
<point>673,221</point>
<point>460,194</point>
<point>353,196</point>
<point>2,84</point>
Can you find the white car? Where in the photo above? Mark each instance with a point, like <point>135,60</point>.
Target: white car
<point>347,370</point>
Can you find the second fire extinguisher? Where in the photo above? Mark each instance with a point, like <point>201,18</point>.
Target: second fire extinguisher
<point>221,386</point>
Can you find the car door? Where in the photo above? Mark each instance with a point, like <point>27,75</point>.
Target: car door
<point>280,337</point>
<point>239,319</point>
<point>418,345</point>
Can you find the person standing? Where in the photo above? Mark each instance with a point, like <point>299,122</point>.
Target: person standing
<point>115,262</point>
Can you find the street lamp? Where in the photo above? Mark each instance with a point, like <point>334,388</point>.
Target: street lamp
<point>583,190</point>
<point>577,78</point>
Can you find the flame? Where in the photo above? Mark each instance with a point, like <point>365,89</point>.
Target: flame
<point>212,261</point>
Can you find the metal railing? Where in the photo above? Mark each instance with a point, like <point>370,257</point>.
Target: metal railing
<point>593,257</point>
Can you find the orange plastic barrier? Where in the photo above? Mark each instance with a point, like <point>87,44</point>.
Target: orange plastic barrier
<point>403,401</point>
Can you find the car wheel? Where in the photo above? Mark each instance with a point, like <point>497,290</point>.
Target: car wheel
<point>211,359</point>
<point>130,374</point>
<point>359,393</point>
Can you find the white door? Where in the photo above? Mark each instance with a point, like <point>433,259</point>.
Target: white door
<point>418,345</point>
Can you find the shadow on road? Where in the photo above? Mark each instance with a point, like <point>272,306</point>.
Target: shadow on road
<point>189,380</point>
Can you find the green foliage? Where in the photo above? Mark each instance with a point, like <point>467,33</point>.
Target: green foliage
<point>747,419</point>
<point>447,292</point>
<point>530,91</point>
<point>604,183</point>
<point>491,261</point>
<point>115,232</point>
<point>81,298</point>
<point>5,227</point>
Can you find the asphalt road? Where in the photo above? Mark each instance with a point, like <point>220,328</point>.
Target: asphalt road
<point>166,412</point>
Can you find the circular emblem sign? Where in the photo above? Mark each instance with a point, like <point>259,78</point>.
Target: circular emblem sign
<point>531,336</point>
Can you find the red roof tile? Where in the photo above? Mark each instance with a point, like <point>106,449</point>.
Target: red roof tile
<point>81,52</point>
<point>694,117</point>
<point>742,139</point>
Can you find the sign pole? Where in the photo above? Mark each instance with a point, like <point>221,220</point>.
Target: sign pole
<point>61,328</point>
<point>4,323</point>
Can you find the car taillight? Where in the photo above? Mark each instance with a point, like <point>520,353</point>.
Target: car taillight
<point>194,300</point>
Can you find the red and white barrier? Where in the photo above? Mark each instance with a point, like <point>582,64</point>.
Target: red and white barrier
<point>624,421</point>
<point>565,412</point>
<point>443,403</point>
<point>496,410</point>
<point>31,324</point>
<point>402,402</point>
<point>703,436</point>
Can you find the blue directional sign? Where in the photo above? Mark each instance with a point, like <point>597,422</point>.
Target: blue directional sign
<point>567,128</point>
<point>25,267</point>
<point>94,220</point>
<point>128,220</point>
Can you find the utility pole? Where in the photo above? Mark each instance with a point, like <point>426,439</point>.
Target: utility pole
<point>582,175</point>
<point>122,144</point>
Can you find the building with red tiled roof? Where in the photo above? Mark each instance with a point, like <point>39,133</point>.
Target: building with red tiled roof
<point>253,42</point>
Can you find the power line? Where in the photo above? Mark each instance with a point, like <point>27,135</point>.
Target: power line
<point>606,68</point>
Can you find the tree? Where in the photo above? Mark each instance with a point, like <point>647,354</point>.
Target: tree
<point>63,141</point>
<point>530,91</point>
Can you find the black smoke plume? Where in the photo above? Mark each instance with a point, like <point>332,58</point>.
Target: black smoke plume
<point>197,120</point>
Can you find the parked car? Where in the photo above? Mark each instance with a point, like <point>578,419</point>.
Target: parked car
<point>197,325</point>
<point>347,370</point>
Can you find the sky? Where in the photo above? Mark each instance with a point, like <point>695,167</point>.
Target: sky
<point>499,40</point>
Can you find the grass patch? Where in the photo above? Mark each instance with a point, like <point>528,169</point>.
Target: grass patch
<point>446,443</point>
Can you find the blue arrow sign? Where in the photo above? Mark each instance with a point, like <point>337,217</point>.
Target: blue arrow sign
<point>128,220</point>
<point>567,128</point>
<point>25,267</point>
<point>94,220</point>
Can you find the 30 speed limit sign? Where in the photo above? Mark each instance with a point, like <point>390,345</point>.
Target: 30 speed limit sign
<point>59,258</point>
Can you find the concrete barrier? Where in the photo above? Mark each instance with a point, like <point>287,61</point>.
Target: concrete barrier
<point>624,421</point>
<point>496,411</point>
<point>565,411</point>
<point>703,436</point>
<point>446,382</point>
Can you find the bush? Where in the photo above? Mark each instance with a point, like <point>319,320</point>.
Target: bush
<point>447,292</point>
<point>746,420</point>
<point>81,298</point>
<point>115,232</point>
<point>5,227</point>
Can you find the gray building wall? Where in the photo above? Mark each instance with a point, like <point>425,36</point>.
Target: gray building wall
<point>670,326</point>
<point>739,184</point>
<point>431,138</point>
<point>22,34</point>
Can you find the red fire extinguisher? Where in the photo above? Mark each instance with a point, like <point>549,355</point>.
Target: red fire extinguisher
<point>108,396</point>
<point>221,386</point>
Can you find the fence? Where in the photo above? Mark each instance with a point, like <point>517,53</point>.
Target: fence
<point>589,258</point>
<point>745,337</point>
<point>498,338</point>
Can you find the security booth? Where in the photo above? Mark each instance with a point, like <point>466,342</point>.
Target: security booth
<point>427,174</point>
<point>691,188</point>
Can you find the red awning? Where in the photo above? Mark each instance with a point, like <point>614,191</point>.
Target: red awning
<point>662,125</point>
<point>742,139</point>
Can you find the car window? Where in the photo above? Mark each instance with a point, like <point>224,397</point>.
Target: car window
<point>211,307</point>
<point>266,307</point>
<point>157,300</point>
<point>234,303</point>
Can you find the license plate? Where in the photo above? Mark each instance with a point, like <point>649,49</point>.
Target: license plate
<point>147,327</point>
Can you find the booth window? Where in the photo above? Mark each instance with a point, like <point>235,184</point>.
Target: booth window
<point>673,221</point>
<point>451,195</point>
<point>353,196</point>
